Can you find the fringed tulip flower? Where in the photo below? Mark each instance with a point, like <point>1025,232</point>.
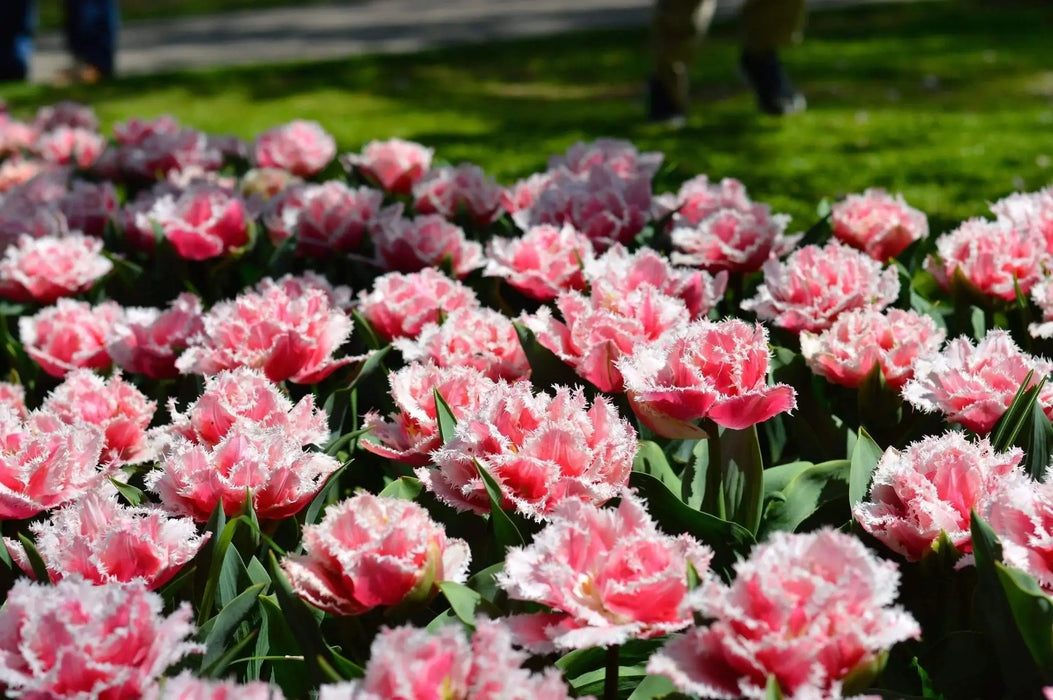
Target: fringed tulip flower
<point>1030,213</point>
<point>974,385</point>
<point>370,551</point>
<point>541,449</point>
<point>43,270</point>
<point>621,156</point>
<point>65,113</point>
<point>146,341</point>
<point>264,466</point>
<point>134,130</point>
<point>993,257</point>
<point>244,399</point>
<point>20,216</point>
<point>1021,514</point>
<point>480,338</point>
<point>879,224</point>
<point>69,335</point>
<point>205,221</point>
<point>930,488</point>
<point>103,541</point>
<point>66,145</point>
<point>705,370</point>
<point>16,170</point>
<point>625,272</point>
<point>117,407</point>
<point>89,207</point>
<point>288,329</point>
<point>400,305</point>
<point>411,433</point>
<point>810,611</point>
<point>815,285</point>
<point>162,153</point>
<point>543,262</point>
<point>716,226</point>
<point>78,640</point>
<point>447,191</point>
<point>186,686</point>
<point>607,576</point>
<point>407,662</point>
<point>394,165</point>
<point>861,339</point>
<point>409,245</point>
<point>302,147</point>
<point>15,136</point>
<point>599,329</point>
<point>13,398</point>
<point>45,463</point>
<point>327,218</point>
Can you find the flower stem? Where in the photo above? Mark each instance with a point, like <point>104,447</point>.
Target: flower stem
<point>610,680</point>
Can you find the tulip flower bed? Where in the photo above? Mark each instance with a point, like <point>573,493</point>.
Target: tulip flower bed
<point>278,422</point>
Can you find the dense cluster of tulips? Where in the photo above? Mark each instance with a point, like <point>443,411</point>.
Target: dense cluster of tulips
<point>281,423</point>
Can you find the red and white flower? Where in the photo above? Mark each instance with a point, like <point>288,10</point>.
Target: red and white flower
<point>479,338</point>
<point>400,305</point>
<point>302,147</point>
<point>543,262</point>
<point>394,165</point>
<point>43,270</point>
<point>69,335</point>
<point>147,341</point>
<point>446,191</point>
<point>994,257</point>
<point>409,245</point>
<point>880,224</point>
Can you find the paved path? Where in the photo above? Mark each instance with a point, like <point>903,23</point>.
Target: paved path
<point>363,26</point>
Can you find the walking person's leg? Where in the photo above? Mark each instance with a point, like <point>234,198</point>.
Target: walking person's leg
<point>17,22</point>
<point>676,29</point>
<point>91,34</point>
<point>767,27</point>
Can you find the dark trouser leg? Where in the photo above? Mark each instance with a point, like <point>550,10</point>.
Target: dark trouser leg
<point>676,28</point>
<point>91,32</point>
<point>17,20</point>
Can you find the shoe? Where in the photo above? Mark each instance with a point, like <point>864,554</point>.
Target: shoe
<point>775,93</point>
<point>79,74</point>
<point>663,107</point>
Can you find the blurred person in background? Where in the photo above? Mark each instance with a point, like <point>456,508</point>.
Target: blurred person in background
<point>91,37</point>
<point>766,25</point>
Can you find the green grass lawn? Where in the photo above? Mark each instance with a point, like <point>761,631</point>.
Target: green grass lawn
<point>951,104</point>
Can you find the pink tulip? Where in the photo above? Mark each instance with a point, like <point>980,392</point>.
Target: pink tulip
<point>69,335</point>
<point>103,541</point>
<point>161,153</point>
<point>411,433</point>
<point>369,551</point>
<point>930,488</point>
<point>1020,512</point>
<point>43,270</point>
<point>973,386</point>
<point>992,256</point>
<point>807,609</point>
<point>75,639</point>
<point>394,165</point>
<point>147,341</point>
<point>67,145</point>
<point>620,156</point>
<point>89,207</point>
<point>400,305</point>
<point>859,339</point>
<point>708,370</point>
<point>302,147</point>
<point>541,449</point>
<point>15,136</point>
<point>1030,213</point>
<point>479,338</point>
<point>608,576</point>
<point>134,131</point>
<point>13,398</point>
<point>17,170</point>
<point>327,218</point>
<point>409,245</point>
<point>543,262</point>
<point>879,224</point>
<point>65,113</point>
<point>19,216</point>
<point>814,285</point>
<point>201,223</point>
<point>186,687</point>
<point>448,190</point>
<point>267,183</point>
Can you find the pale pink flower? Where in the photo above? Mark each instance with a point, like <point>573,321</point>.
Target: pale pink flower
<point>541,449</point>
<point>133,131</point>
<point>716,226</point>
<point>524,193</point>
<point>69,335</point>
<point>13,398</point>
<point>370,551</point>
<point>242,399</point>
<point>973,386</point>
<point>327,218</point>
<point>479,338</point>
<point>607,576</point>
<point>161,153</point>
<point>89,207</point>
<point>17,171</point>
<point>288,333</point>
<point>543,262</point>
<point>447,191</point>
<point>267,182</point>
<point>99,539</point>
<point>1030,213</point>
<point>42,270</point>
<point>67,145</point>
<point>117,407</point>
<point>705,370</point>
<point>809,609</point>
<point>201,223</point>
<point>187,687</point>
<point>412,663</point>
<point>859,339</point>
<point>992,256</point>
<point>604,206</point>
<point>626,272</point>
<point>1042,295</point>
<point>265,466</point>
<point>411,433</point>
<point>15,136</point>
<point>65,113</point>
<point>599,329</point>
<point>815,285</point>
<point>45,463</point>
<point>400,305</point>
<point>1021,514</point>
<point>880,224</point>
<point>617,154</point>
<point>408,245</point>
<point>930,488</point>
<point>394,165</point>
<point>78,640</point>
<point>147,340</point>
<point>302,147</point>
